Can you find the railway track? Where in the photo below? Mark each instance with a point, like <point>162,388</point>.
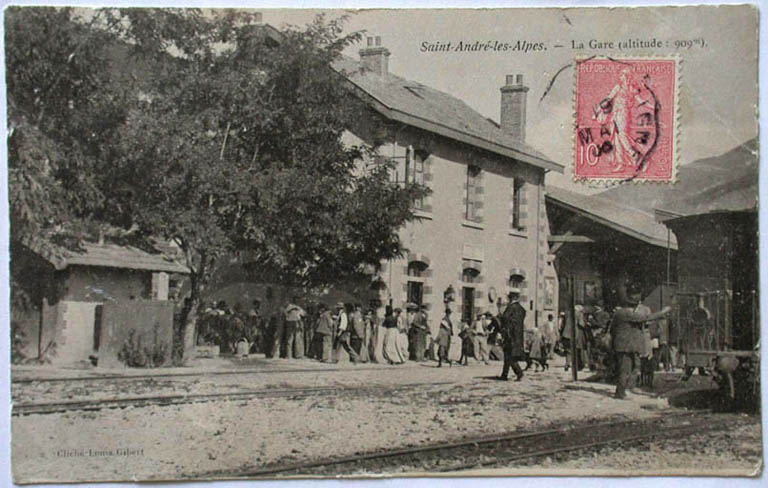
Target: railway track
<point>492,451</point>
<point>23,409</point>
<point>189,374</point>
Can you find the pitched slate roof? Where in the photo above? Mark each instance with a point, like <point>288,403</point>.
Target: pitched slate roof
<point>426,108</point>
<point>630,221</point>
<point>107,255</point>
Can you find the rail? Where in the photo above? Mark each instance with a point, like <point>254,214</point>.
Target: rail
<point>491,450</point>
<point>164,400</point>
<point>188,374</point>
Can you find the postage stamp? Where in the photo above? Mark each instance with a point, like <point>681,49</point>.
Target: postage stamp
<point>626,117</point>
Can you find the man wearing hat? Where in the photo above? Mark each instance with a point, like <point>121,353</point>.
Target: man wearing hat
<point>628,340</point>
<point>294,333</point>
<point>513,334</point>
<point>324,331</point>
<point>444,335</point>
<point>343,333</point>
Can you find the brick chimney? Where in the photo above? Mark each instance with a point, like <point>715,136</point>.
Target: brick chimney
<point>374,57</point>
<point>513,96</point>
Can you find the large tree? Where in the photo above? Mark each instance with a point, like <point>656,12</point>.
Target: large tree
<point>232,142</point>
<point>63,116</point>
<point>62,125</point>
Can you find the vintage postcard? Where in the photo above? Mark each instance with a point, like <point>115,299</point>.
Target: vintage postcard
<point>267,243</point>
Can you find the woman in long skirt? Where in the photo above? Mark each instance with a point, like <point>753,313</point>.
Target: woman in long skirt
<point>402,335</point>
<point>368,336</point>
<point>419,330</point>
<point>378,337</point>
<point>391,351</point>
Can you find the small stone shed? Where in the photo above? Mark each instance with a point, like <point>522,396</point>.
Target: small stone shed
<point>84,303</point>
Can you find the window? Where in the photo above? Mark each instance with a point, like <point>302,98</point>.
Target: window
<point>468,276</point>
<point>418,169</point>
<point>518,188</point>
<point>414,167</point>
<point>416,269</point>
<point>472,195</point>
<point>467,304</point>
<point>416,292</point>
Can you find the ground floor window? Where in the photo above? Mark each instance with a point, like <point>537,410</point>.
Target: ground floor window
<point>467,304</point>
<point>416,292</point>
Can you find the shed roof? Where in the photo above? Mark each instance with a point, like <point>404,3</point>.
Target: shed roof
<point>428,109</point>
<point>630,221</point>
<point>106,255</point>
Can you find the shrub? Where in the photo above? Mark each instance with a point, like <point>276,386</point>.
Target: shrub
<point>136,353</point>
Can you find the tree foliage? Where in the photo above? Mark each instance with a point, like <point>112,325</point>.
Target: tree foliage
<point>204,128</point>
<point>62,118</point>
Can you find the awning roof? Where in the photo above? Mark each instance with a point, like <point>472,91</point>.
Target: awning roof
<point>634,223</point>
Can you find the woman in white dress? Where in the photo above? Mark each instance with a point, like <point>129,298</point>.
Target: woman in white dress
<point>391,350</point>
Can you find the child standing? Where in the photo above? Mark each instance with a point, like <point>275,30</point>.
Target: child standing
<point>646,359</point>
<point>537,352</point>
<point>466,343</point>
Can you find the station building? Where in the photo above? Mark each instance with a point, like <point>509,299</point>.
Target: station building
<point>483,228</point>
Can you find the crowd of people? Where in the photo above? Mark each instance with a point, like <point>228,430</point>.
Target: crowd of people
<point>631,343</point>
<point>627,345</point>
<point>347,332</point>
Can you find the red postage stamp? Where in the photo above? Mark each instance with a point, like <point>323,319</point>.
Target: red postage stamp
<point>626,117</point>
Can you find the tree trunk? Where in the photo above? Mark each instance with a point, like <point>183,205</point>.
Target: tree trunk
<point>190,327</point>
<point>190,312</point>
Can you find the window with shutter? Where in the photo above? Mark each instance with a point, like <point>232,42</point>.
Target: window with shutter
<point>471,194</point>
<point>518,216</point>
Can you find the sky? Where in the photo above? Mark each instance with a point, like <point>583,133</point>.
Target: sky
<point>718,82</point>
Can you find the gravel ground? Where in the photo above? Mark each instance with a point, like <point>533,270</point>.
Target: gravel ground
<point>184,440</point>
<point>736,453</point>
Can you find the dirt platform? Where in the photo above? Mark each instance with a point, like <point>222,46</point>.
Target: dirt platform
<point>165,442</point>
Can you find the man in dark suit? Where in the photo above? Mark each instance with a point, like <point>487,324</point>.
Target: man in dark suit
<point>513,335</point>
<point>628,340</point>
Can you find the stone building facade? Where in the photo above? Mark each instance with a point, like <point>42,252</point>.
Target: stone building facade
<point>484,226</point>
